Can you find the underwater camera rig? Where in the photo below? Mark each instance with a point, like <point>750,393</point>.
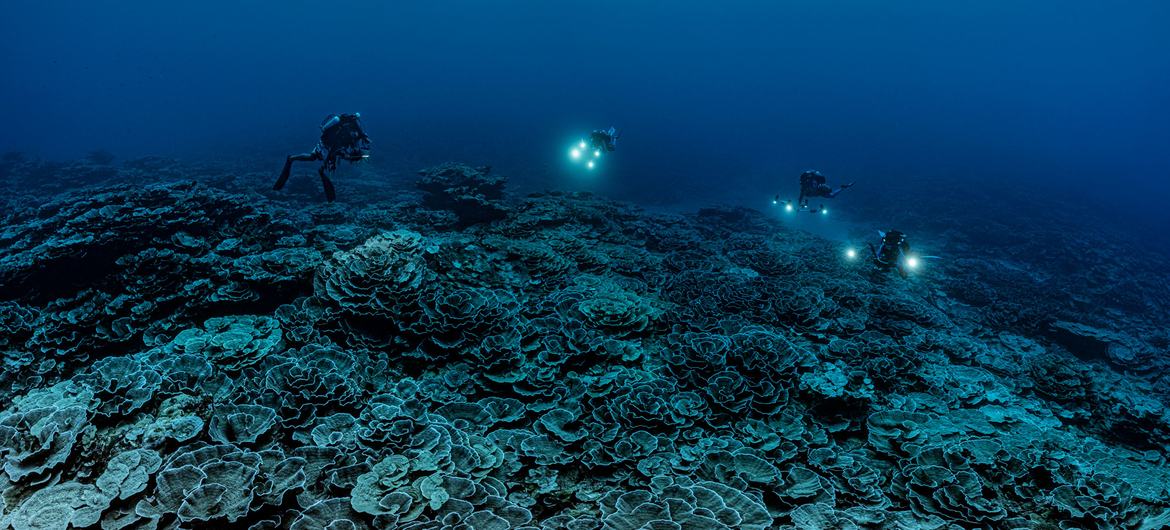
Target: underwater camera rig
<point>581,153</point>
<point>790,206</point>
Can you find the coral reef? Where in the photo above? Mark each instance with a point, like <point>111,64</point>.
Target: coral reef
<point>185,355</point>
<point>474,195</point>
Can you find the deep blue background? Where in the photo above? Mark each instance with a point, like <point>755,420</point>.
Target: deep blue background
<point>718,100</point>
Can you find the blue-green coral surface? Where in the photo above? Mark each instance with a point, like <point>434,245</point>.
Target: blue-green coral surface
<point>195,355</point>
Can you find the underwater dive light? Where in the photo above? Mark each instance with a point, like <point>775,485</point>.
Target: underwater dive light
<point>788,207</point>
<point>850,253</point>
<point>582,144</point>
<point>912,262</point>
<point>824,211</point>
<point>575,153</point>
<point>596,153</point>
<point>590,164</point>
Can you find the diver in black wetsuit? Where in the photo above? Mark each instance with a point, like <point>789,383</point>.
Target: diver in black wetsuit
<point>812,184</point>
<point>342,138</point>
<point>892,253</point>
<point>604,141</point>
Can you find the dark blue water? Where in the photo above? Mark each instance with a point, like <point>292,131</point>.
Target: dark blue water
<point>181,345</point>
<point>716,101</point>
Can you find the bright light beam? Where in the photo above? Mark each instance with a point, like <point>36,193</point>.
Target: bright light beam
<point>912,262</point>
<point>788,207</point>
<point>851,254</point>
<point>575,153</point>
<point>590,164</point>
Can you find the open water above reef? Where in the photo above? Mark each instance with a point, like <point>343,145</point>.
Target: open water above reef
<point>182,350</point>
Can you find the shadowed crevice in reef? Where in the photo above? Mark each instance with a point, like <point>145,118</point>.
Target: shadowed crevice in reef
<point>194,355</point>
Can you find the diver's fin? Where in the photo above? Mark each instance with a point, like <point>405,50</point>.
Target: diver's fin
<point>881,234</point>
<point>330,193</point>
<point>283,178</point>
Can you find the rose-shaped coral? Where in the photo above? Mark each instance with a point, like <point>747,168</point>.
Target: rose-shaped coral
<point>707,505</point>
<point>619,313</point>
<point>382,277</point>
<point>451,318</point>
<point>693,357</point>
<point>890,431</point>
<point>232,342</point>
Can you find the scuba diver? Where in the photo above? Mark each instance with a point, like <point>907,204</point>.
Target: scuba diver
<point>812,184</point>
<point>604,141</point>
<point>342,138</point>
<point>893,253</point>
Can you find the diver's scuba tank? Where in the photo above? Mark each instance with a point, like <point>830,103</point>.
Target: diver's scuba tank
<point>332,120</point>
